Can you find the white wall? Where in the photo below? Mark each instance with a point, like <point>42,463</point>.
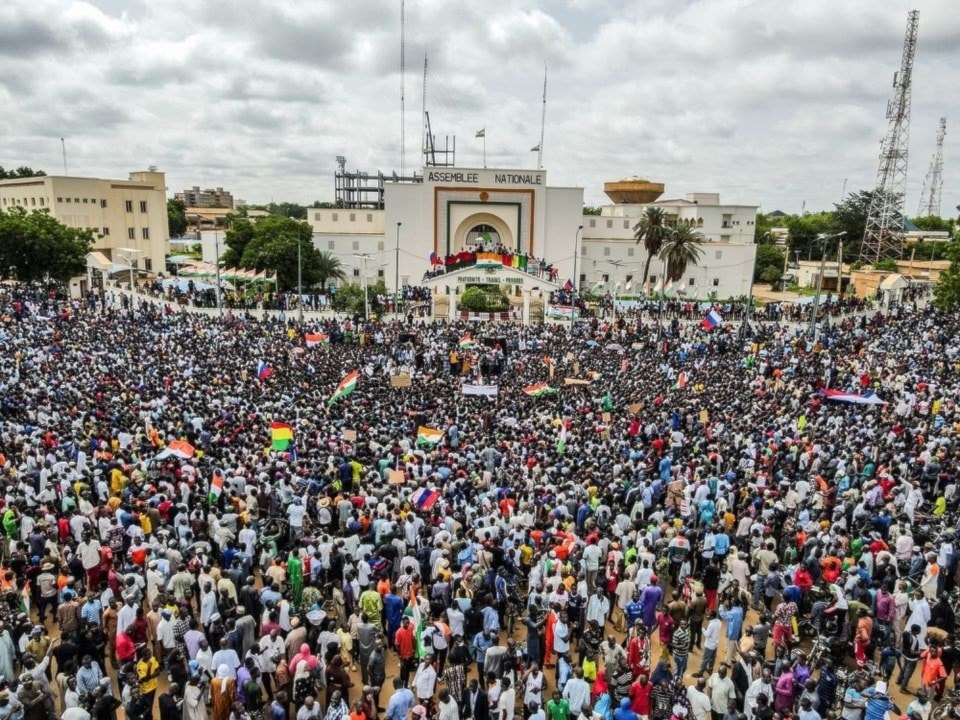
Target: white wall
<point>564,216</point>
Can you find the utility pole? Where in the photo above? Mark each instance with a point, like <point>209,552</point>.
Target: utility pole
<point>299,271</point>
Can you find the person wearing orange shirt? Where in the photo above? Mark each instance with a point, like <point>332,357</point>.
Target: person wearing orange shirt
<point>404,643</point>
<point>932,672</point>
<point>861,639</point>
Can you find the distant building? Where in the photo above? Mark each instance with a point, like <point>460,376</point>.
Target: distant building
<point>124,215</point>
<point>209,198</point>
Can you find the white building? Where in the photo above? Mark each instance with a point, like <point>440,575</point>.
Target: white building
<point>123,214</point>
<point>610,253</point>
<point>452,207</point>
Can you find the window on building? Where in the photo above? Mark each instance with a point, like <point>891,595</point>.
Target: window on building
<point>336,216</point>
<point>724,238</point>
<point>143,206</point>
<point>356,245</point>
<point>33,202</point>
<point>630,252</point>
<point>356,272</point>
<point>380,273</point>
<point>131,234</point>
<point>93,201</point>
<point>629,278</point>
<point>69,200</point>
<point>42,202</point>
<point>691,282</point>
<point>85,201</point>
<point>103,203</point>
<point>626,224</point>
<point>145,233</point>
<point>316,217</point>
<point>128,204</point>
<point>716,282</point>
<point>652,279</point>
<point>609,223</point>
<point>353,217</point>
<point>593,223</point>
<point>76,200</point>
<point>106,231</point>
<point>606,278</point>
<point>380,246</point>
<point>583,251</point>
<point>369,217</point>
<point>331,244</point>
<point>583,278</point>
<point>148,265</point>
<point>718,255</point>
<point>606,252</point>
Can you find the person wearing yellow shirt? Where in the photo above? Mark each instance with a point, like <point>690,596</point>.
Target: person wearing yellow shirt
<point>147,671</point>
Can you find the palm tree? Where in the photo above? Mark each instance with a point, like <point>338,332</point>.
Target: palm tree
<point>651,230</point>
<point>681,248</point>
<point>328,267</point>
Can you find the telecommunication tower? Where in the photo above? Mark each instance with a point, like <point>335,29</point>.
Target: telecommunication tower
<point>883,236</point>
<point>933,182</point>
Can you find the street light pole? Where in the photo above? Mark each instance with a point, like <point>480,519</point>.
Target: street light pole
<point>396,275</point>
<point>576,280</point>
<point>299,271</point>
<point>366,305</point>
<point>823,264</point>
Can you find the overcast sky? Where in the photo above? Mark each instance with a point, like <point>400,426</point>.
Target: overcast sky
<point>768,102</point>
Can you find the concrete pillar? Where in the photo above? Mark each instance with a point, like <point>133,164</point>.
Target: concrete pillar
<point>526,306</point>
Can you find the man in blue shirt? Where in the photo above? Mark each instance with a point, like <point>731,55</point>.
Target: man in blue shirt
<point>401,702</point>
<point>482,641</point>
<point>734,618</point>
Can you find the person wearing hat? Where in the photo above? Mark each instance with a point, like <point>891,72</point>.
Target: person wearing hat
<point>47,587</point>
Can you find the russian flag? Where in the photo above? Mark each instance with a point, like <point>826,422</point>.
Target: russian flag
<point>424,498</point>
<point>568,285</point>
<point>712,319</point>
<point>263,371</point>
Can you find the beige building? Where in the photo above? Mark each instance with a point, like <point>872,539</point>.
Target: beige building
<point>123,214</point>
<point>209,198</point>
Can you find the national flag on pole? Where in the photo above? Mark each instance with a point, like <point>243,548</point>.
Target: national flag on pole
<point>428,436</point>
<point>712,320</point>
<point>424,499</point>
<point>539,390</point>
<point>263,371</point>
<point>281,434</point>
<point>629,285</point>
<point>346,386</point>
<point>568,285</point>
<point>482,132</point>
<point>668,288</point>
<point>467,342</point>
<point>681,381</point>
<point>562,442</point>
<point>314,339</point>
<point>434,260</point>
<point>535,148</point>
<point>646,288</point>
<point>216,486</point>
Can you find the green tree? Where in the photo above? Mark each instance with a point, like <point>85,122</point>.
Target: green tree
<point>35,246</point>
<point>273,246</point>
<point>591,210</point>
<point>329,268</point>
<point>886,264</point>
<point>21,172</point>
<point>239,234</point>
<point>768,264</point>
<point>762,231</point>
<point>177,217</point>
<point>683,247</point>
<point>946,294</point>
<point>933,223</point>
<point>287,210</point>
<point>804,232</point>
<point>651,231</point>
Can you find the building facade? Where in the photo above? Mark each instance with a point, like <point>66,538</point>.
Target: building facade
<point>208,198</point>
<point>125,215</point>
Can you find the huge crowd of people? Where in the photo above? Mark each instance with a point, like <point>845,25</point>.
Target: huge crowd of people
<point>608,524</point>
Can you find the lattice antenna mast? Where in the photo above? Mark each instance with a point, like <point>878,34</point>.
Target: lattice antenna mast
<point>883,236</point>
<point>403,49</point>
<point>933,182</point>
<point>543,120</point>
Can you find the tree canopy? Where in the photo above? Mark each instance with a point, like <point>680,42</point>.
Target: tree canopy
<point>35,246</point>
<point>177,217</point>
<point>21,172</point>
<point>271,244</point>
<point>946,293</point>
